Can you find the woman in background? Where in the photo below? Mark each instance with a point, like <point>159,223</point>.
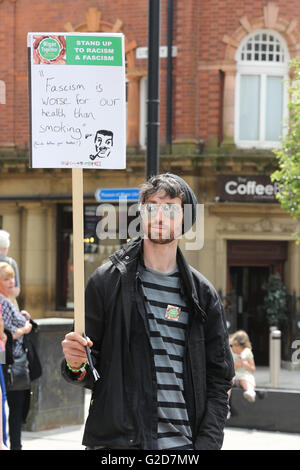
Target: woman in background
<point>3,436</point>
<point>18,324</point>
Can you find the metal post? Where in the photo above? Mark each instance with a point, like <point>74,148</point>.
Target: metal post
<point>169,75</point>
<point>275,358</point>
<point>152,162</point>
<point>271,329</point>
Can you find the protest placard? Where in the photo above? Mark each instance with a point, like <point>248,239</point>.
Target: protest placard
<point>78,101</point>
<point>77,104</point>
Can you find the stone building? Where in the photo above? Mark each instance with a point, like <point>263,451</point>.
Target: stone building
<point>228,104</point>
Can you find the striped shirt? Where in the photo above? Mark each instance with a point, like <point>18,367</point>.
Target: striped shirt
<point>167,326</point>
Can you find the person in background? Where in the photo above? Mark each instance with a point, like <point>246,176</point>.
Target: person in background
<point>3,436</point>
<point>4,247</point>
<point>2,442</point>
<point>244,364</point>
<point>18,324</point>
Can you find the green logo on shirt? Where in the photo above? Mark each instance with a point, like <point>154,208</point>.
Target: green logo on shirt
<point>173,312</point>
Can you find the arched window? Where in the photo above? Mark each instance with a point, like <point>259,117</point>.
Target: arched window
<point>261,97</point>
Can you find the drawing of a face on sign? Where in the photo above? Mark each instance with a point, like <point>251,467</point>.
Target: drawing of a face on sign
<point>103,144</point>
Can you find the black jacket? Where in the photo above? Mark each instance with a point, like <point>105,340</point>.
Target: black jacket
<point>123,410</point>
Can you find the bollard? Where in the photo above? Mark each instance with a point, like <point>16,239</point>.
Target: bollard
<point>275,357</point>
<point>271,329</point>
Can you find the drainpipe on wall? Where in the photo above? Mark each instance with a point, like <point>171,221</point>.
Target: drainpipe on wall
<point>152,159</point>
<point>169,75</point>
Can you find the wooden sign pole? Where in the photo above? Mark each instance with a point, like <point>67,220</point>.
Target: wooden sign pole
<point>78,251</point>
<point>78,261</point>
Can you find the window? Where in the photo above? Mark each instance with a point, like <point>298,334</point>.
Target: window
<point>261,96</point>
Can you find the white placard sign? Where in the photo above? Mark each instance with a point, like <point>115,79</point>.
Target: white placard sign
<point>78,100</point>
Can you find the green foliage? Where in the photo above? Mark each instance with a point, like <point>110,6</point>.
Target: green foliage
<point>288,155</point>
<point>275,300</point>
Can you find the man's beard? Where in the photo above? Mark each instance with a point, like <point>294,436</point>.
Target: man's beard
<point>158,238</point>
<point>161,241</point>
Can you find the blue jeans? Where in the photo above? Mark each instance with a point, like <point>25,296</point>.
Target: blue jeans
<point>2,384</point>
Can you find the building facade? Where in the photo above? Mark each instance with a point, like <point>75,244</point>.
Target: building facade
<point>227,114</point>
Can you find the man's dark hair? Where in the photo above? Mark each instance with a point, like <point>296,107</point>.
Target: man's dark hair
<point>159,183</point>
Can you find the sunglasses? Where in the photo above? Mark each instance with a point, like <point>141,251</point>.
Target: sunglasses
<point>169,210</point>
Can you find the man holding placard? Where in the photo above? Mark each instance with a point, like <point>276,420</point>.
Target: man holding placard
<point>157,333</point>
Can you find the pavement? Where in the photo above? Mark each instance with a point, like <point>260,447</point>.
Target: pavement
<point>70,437</point>
<point>287,379</point>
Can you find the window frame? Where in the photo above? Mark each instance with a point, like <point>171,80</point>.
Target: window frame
<point>143,112</point>
<point>262,69</point>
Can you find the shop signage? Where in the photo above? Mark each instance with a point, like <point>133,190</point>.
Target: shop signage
<point>116,194</point>
<point>249,188</point>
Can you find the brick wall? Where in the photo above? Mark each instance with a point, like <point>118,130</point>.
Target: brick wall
<point>199,28</point>
<point>7,72</point>
<point>216,19</point>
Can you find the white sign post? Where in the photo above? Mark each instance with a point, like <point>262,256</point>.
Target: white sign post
<point>78,117</point>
